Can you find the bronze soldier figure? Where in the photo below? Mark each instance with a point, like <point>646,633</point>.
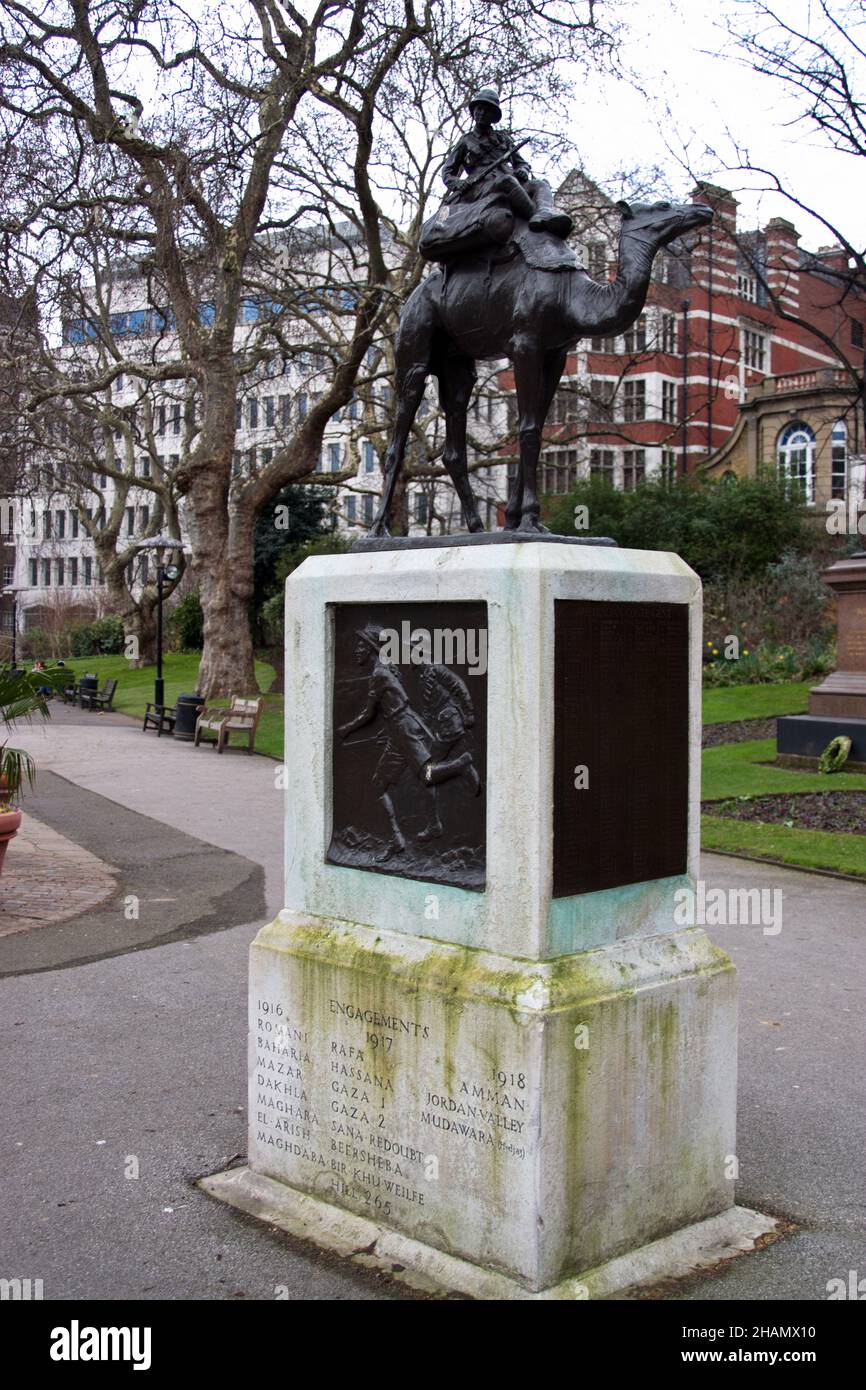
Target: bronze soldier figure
<point>409,743</point>
<point>486,151</point>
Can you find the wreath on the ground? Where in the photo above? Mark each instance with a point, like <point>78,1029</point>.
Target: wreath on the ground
<point>835,755</point>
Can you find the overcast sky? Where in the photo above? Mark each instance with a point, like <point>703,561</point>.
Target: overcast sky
<point>680,53</point>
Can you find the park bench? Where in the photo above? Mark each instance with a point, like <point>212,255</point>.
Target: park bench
<point>242,717</point>
<point>159,717</point>
<point>98,699</point>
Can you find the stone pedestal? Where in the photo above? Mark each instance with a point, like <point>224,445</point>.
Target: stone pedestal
<point>496,1056</point>
<point>838,705</point>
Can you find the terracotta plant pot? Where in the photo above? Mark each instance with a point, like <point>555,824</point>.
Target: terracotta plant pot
<point>10,822</point>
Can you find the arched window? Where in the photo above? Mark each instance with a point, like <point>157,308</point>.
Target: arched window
<point>796,458</point>
<point>839,460</point>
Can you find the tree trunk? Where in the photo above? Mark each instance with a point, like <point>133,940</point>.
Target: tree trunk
<point>223,567</point>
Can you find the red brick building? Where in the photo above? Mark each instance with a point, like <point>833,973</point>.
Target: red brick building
<point>665,397</point>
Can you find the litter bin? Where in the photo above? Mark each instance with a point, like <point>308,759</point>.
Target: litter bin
<point>187,711</point>
<point>88,685</point>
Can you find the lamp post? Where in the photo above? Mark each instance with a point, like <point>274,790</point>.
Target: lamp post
<point>164,572</point>
<point>13,594</point>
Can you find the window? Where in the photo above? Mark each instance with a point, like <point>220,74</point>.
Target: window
<point>253,413</point>
<point>88,571</point>
<point>46,573</point>
<point>635,338</point>
<point>8,574</point>
<point>796,459</point>
<point>32,527</point>
<point>239,419</point>
<point>73,525</point>
<point>856,333</point>
<point>634,400</point>
<point>603,344</point>
<point>669,400</point>
<point>633,469</point>
<point>669,466</point>
<point>839,460</point>
<point>596,260</point>
<point>668,333</point>
<point>354,409</point>
<point>59,571</point>
<point>34,573</point>
<point>285,411</point>
<point>143,519</point>
<point>601,464</point>
<point>754,349</point>
<point>302,406</point>
<point>269,412</point>
<point>143,569</point>
<point>331,461</point>
<point>368,509</point>
<point>421,508</point>
<point>747,287</point>
<point>601,394</point>
<point>558,471</point>
<point>267,455</point>
<point>175,418</point>
<point>130,521</point>
<point>73,570</point>
<point>160,419</point>
<point>144,466</point>
<point>369,456</point>
<point>352,510</point>
<point>46,526</point>
<point>563,408</point>
<point>60,525</point>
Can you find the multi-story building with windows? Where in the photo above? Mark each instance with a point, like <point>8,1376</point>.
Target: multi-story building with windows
<point>737,327</point>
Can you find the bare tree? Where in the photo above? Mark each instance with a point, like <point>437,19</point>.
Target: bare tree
<point>242,165</point>
<point>821,67</point>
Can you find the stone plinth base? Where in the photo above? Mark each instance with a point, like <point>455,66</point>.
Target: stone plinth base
<point>421,1267</point>
<point>532,1118</point>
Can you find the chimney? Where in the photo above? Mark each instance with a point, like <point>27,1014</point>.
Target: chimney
<point>714,251</point>
<point>783,262</point>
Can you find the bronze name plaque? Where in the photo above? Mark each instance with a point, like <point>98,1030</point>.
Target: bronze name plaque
<point>410,740</point>
<point>621,744</point>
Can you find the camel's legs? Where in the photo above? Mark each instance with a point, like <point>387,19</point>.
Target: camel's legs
<point>537,377</point>
<point>456,381</point>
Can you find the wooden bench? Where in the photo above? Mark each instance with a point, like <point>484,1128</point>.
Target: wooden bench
<point>98,699</point>
<point>159,717</point>
<point>242,717</point>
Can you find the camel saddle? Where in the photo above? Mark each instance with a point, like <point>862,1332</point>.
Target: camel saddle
<point>458,230</point>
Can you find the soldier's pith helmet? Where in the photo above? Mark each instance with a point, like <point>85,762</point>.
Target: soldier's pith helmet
<point>371,635</point>
<point>491,97</point>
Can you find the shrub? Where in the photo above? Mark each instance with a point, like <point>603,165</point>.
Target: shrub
<point>737,527</point>
<point>104,637</point>
<point>187,623</point>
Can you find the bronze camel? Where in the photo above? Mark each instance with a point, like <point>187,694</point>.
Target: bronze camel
<point>479,310</point>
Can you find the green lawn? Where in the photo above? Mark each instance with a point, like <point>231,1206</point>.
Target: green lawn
<point>735,769</point>
<point>756,701</point>
<point>180,672</point>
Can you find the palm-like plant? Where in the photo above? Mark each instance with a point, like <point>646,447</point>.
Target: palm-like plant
<point>23,698</point>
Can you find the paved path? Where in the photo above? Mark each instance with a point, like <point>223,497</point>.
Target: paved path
<point>127,1074</point>
<point>49,878</point>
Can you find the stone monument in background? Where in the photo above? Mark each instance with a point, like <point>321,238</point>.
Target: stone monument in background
<point>488,1050</point>
<point>837,707</point>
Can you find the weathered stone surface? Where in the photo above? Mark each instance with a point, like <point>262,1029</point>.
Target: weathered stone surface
<point>536,1118</point>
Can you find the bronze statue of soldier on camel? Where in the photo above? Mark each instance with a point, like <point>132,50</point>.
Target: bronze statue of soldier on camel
<point>508,285</point>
